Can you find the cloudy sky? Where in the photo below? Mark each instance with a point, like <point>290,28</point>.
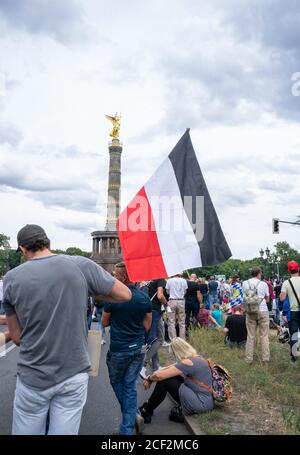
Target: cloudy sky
<point>223,68</point>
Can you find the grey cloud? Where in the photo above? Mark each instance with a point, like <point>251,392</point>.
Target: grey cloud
<point>9,134</point>
<point>60,19</point>
<point>295,155</point>
<point>77,200</point>
<point>238,198</point>
<point>81,226</point>
<point>275,186</point>
<point>274,22</point>
<point>285,167</point>
<point>16,178</point>
<point>290,200</point>
<point>220,84</point>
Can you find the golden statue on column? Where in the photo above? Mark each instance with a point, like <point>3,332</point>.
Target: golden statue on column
<point>116,121</point>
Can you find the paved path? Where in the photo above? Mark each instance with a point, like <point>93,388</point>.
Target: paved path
<point>101,414</point>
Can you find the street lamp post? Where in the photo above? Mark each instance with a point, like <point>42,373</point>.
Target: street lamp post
<point>266,260</point>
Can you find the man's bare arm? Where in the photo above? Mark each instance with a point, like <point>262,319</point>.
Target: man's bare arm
<point>282,296</point>
<point>14,328</point>
<point>105,319</point>
<point>160,295</point>
<point>119,293</point>
<point>147,321</point>
<point>199,297</point>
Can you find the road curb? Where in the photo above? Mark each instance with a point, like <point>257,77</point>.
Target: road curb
<point>193,425</point>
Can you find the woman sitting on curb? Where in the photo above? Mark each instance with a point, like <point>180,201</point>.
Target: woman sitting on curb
<point>188,382</point>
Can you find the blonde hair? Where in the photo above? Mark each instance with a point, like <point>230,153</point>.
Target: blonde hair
<point>181,349</point>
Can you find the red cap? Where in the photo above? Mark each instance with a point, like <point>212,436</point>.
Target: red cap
<point>293,266</point>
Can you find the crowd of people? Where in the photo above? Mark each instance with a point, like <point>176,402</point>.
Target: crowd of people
<point>51,299</point>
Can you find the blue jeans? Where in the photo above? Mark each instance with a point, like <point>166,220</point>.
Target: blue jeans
<point>123,370</point>
<point>206,301</point>
<point>89,320</point>
<point>213,298</point>
<point>55,411</point>
<point>294,325</point>
<point>99,312</point>
<point>154,333</point>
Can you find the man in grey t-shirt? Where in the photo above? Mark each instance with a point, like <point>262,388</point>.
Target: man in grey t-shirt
<point>45,304</point>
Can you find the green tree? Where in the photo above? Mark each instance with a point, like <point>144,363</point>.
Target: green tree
<point>4,241</point>
<point>73,251</point>
<point>282,255</point>
<point>9,258</point>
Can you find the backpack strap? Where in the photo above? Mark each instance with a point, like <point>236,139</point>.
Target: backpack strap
<point>153,297</point>
<point>255,287</point>
<point>197,381</point>
<point>201,384</point>
<point>297,298</point>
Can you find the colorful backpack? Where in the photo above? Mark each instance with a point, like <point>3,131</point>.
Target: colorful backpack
<point>221,389</point>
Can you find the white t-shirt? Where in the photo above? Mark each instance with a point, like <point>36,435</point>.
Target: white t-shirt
<point>286,287</point>
<point>262,291</point>
<point>176,287</point>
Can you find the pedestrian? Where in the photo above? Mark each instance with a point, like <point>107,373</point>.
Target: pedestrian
<point>193,298</point>
<point>271,292</point>
<point>45,300</point>
<point>236,292</point>
<point>128,322</point>
<point>235,328</point>
<point>187,381</point>
<point>4,336</point>
<point>291,289</point>
<point>203,287</point>
<point>1,295</point>
<point>279,305</point>
<point>155,336</point>
<point>213,287</point>
<point>176,287</point>
<point>89,312</point>
<point>99,307</point>
<point>258,319</point>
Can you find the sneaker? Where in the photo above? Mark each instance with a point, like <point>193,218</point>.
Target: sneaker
<point>103,342</point>
<point>139,424</point>
<point>293,362</point>
<point>145,414</point>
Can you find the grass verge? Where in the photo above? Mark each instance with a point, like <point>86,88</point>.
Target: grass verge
<point>266,398</point>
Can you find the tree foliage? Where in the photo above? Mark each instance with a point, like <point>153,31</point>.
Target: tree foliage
<point>282,254</point>
<point>10,258</point>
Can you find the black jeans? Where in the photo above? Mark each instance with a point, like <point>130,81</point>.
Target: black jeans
<point>192,307</point>
<point>294,325</point>
<point>170,385</point>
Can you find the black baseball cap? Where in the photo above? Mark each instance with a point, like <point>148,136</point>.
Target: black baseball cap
<point>30,234</point>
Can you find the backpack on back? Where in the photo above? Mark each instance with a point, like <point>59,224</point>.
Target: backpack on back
<point>251,300</point>
<point>222,381</point>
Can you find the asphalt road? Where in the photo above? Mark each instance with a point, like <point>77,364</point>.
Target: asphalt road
<point>101,414</point>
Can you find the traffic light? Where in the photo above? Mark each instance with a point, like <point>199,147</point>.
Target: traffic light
<point>275,226</point>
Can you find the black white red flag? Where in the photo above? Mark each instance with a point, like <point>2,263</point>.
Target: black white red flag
<point>171,224</point>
